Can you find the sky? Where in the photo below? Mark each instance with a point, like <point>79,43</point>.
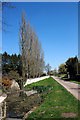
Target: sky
<point>56,24</point>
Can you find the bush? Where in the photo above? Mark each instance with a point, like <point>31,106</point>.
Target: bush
<point>6,83</point>
<point>44,74</point>
<point>77,77</point>
<point>40,89</point>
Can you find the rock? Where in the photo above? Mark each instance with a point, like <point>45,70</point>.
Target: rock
<point>42,112</point>
<point>15,85</point>
<point>28,93</point>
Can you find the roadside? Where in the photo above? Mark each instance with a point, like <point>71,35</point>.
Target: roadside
<point>74,81</point>
<point>21,102</point>
<point>58,103</point>
<point>73,88</point>
<point>65,77</point>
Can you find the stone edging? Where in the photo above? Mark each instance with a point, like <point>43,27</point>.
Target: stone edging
<point>27,114</point>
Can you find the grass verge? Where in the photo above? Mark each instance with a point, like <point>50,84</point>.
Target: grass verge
<point>74,81</point>
<point>64,76</point>
<point>58,101</point>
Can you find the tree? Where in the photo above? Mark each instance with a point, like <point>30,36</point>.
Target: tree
<point>5,63</point>
<point>48,68</point>
<point>11,63</point>
<point>71,65</point>
<point>22,42</point>
<point>19,65</point>
<point>55,71</point>
<point>3,20</point>
<point>62,69</point>
<point>30,50</point>
<point>42,63</point>
<point>13,75</point>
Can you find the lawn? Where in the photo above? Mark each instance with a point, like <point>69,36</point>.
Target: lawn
<point>61,75</point>
<point>59,101</point>
<point>64,76</point>
<point>74,81</point>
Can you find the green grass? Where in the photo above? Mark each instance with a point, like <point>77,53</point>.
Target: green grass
<point>65,78</point>
<point>0,90</point>
<point>61,75</point>
<point>74,81</point>
<point>58,96</point>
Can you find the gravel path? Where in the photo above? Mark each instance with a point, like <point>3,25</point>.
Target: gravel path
<point>73,88</point>
<point>29,81</point>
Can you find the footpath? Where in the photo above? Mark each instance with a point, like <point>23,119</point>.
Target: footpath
<point>73,88</point>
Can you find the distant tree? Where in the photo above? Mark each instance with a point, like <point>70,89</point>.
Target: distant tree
<point>79,68</point>
<point>71,65</point>
<point>48,68</point>
<point>62,69</point>
<point>55,71</point>
<point>42,63</point>
<point>5,63</point>
<point>14,62</point>
<point>11,63</point>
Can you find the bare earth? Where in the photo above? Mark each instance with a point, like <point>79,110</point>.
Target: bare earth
<point>73,88</point>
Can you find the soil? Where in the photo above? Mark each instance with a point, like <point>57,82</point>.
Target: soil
<point>18,104</point>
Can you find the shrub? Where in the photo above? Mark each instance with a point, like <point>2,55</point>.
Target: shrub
<point>6,83</point>
<point>44,74</point>
<point>77,77</point>
<point>42,88</point>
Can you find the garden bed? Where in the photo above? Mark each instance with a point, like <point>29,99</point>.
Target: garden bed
<point>59,103</point>
<point>18,103</point>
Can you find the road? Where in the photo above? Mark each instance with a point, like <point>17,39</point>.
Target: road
<point>73,88</point>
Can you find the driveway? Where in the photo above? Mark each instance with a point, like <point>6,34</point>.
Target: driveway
<point>73,88</point>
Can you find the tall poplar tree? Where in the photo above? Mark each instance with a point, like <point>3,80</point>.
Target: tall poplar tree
<point>31,51</point>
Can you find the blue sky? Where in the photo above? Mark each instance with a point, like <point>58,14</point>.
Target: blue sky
<point>56,25</point>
